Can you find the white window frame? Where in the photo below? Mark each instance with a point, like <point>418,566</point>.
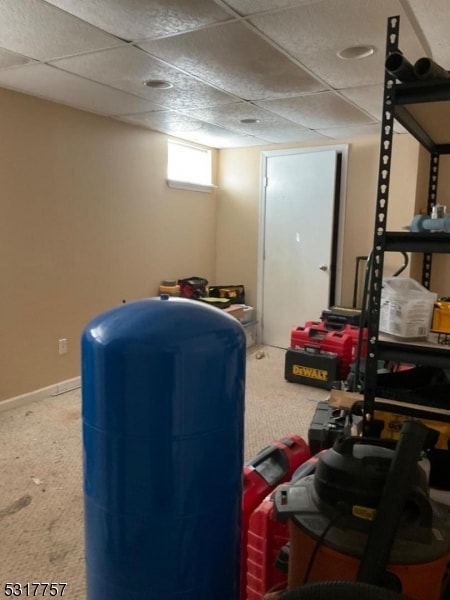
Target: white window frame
<point>183,182</point>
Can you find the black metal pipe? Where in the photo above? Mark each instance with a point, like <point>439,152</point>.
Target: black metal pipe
<point>400,67</point>
<point>425,68</point>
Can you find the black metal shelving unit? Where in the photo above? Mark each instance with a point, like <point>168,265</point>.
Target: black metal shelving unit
<point>415,105</point>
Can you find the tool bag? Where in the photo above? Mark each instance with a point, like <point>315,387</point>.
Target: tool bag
<point>235,293</point>
<point>193,287</point>
<point>217,302</point>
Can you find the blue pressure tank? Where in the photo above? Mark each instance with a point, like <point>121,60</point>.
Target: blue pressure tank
<point>163,408</point>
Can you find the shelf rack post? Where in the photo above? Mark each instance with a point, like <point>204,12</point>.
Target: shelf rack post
<point>377,261</point>
<point>432,195</point>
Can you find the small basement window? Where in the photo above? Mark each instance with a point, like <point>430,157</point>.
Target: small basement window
<point>189,167</point>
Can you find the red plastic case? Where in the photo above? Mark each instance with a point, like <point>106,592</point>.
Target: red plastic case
<point>273,465</point>
<point>322,339</point>
<point>351,330</point>
<point>266,537</point>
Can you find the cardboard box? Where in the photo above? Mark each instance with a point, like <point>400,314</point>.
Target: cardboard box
<point>319,369</point>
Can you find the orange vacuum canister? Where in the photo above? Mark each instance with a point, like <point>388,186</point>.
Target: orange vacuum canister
<point>330,514</point>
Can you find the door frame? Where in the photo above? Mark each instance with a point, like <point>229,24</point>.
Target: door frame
<point>342,150</point>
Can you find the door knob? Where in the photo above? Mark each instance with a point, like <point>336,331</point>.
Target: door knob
<point>323,267</point>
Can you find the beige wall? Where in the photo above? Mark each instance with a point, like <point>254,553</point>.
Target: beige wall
<point>87,221</point>
<point>440,271</point>
<point>238,210</point>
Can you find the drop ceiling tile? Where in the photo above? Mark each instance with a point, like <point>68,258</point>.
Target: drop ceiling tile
<point>250,7</point>
<point>216,137</point>
<point>167,121</point>
<point>194,130</point>
<point>127,68</point>
<point>55,85</point>
<point>370,99</point>
<point>231,116</point>
<point>293,134</point>
<point>433,17</point>
<point>318,111</point>
<point>271,127</point>
<point>138,19</point>
<point>11,59</point>
<point>340,133</point>
<point>237,60</point>
<point>314,33</point>
<point>36,29</point>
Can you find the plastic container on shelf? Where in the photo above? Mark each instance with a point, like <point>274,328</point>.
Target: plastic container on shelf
<point>248,311</point>
<point>441,317</point>
<point>169,286</point>
<point>251,333</point>
<point>406,308</point>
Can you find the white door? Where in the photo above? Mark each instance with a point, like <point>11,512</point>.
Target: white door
<point>298,207</point>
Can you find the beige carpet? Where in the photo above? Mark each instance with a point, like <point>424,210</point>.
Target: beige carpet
<point>41,495</point>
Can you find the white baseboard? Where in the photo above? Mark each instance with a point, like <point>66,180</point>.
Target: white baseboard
<point>52,390</point>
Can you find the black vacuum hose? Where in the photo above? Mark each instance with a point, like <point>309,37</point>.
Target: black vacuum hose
<point>341,590</point>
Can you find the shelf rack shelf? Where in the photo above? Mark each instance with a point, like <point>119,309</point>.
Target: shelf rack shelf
<point>426,352</point>
<point>402,241</point>
<point>412,110</point>
<point>423,108</point>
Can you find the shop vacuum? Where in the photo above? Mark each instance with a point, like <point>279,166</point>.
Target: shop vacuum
<point>364,524</point>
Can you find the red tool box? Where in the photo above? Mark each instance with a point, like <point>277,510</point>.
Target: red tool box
<point>266,539</point>
<point>271,466</point>
<point>352,330</point>
<point>319,338</point>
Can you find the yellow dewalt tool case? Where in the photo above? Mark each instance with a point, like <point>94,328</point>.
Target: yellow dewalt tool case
<point>317,368</point>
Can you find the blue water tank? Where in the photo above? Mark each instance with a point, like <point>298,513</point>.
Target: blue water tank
<point>163,409</point>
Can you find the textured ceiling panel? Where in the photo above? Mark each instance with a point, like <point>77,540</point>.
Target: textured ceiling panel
<point>41,31</point>
<point>292,134</point>
<point>220,138</point>
<point>11,59</point>
<point>231,116</point>
<point>128,68</point>
<point>236,60</point>
<point>249,7</point>
<point>269,126</point>
<point>318,111</point>
<point>192,129</point>
<point>316,32</point>
<point>47,82</point>
<point>370,99</point>
<point>139,19</point>
<point>166,120</point>
<point>339,133</point>
<point>227,60</point>
<point>433,17</point>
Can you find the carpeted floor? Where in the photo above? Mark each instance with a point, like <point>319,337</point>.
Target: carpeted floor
<point>41,495</point>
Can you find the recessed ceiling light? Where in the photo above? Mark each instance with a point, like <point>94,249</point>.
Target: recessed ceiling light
<point>249,121</point>
<point>158,84</point>
<point>355,52</point>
